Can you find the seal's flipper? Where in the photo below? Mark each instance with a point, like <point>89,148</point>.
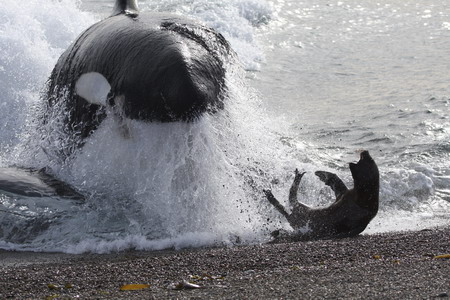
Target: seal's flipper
<point>294,188</point>
<point>333,181</point>
<point>127,7</point>
<point>275,203</point>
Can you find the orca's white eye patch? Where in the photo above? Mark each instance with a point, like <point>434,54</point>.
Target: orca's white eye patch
<point>93,87</point>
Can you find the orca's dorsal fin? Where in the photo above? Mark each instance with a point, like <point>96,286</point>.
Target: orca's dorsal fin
<point>127,7</point>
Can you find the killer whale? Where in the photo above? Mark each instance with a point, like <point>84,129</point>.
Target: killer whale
<point>160,68</point>
<point>348,216</point>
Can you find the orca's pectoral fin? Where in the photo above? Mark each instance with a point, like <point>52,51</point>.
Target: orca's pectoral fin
<point>62,189</point>
<point>275,203</point>
<point>333,181</point>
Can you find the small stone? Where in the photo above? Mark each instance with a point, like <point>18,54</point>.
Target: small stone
<point>52,286</point>
<point>185,285</point>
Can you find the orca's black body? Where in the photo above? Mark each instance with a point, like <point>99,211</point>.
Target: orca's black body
<point>161,67</point>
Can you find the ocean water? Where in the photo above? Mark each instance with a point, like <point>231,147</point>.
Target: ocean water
<point>316,82</point>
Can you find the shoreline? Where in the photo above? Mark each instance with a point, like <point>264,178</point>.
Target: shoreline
<point>401,265</point>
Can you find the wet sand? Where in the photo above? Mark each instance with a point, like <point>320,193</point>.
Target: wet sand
<point>387,266</point>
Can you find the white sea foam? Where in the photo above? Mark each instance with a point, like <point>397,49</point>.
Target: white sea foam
<point>32,36</point>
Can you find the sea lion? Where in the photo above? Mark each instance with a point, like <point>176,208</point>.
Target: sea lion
<point>348,216</point>
<point>159,67</point>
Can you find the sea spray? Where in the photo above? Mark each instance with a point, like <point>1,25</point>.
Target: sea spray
<point>162,181</point>
<point>32,36</point>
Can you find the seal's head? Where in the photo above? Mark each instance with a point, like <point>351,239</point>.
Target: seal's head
<point>365,172</point>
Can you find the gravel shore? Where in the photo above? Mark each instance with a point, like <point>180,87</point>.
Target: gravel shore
<point>407,265</point>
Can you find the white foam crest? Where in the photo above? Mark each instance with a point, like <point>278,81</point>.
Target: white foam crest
<point>130,242</point>
<point>410,199</point>
<point>139,242</point>
<point>408,187</point>
<point>424,216</point>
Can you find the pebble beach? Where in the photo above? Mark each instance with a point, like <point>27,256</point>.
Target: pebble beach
<point>403,265</point>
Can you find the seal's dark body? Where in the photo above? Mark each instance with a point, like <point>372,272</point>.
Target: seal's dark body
<point>348,216</point>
